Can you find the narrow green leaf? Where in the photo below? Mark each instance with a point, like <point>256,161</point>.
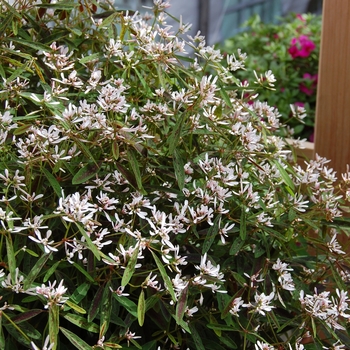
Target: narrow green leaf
<point>34,272</point>
<point>75,307</point>
<point>165,276</point>
<point>221,327</point>
<point>80,293</point>
<point>54,325</point>
<point>81,322</point>
<point>129,305</point>
<point>95,305</point>
<point>143,82</point>
<point>50,271</point>
<point>179,168</point>
<point>75,340</point>
<point>112,345</point>
<point>285,176</point>
<point>130,268</point>
<point>11,258</point>
<point>5,22</point>
<point>236,246</point>
<point>127,174</point>
<point>141,308</point>
<point>243,225</point>
<point>61,5</point>
<point>91,246</point>
<point>25,316</point>
<point>211,234</point>
<point>84,174</point>
<point>174,137</point>
<point>110,19</point>
<point>53,182</point>
<point>105,310</point>
<point>32,44</point>
<point>83,271</point>
<point>196,337</point>
<point>22,129</point>
<point>181,305</point>
<point>135,168</point>
<point>225,96</point>
<point>115,150</point>
<point>89,58</point>
<point>30,252</point>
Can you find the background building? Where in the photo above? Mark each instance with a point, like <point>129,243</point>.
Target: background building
<point>221,19</point>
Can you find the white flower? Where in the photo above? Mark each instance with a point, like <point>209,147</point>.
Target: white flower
<point>263,346</point>
<point>236,306</point>
<point>53,295</point>
<point>334,246</point>
<point>262,303</point>
<point>44,241</point>
<point>46,345</point>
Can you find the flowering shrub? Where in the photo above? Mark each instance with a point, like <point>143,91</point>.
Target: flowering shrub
<point>146,204</point>
<point>291,50</point>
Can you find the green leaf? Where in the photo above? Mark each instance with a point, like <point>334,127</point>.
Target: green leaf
<point>83,271</point>
<point>95,305</point>
<point>82,323</point>
<point>135,168</point>
<point>181,305</point>
<point>143,82</point>
<point>89,58</point>
<point>34,272</point>
<point>115,150</point>
<point>84,174</point>
<point>32,44</point>
<point>130,268</point>
<point>53,182</point>
<point>165,276</point>
<point>236,246</point>
<point>91,246</point>
<point>225,96</point>
<point>127,174</point>
<point>25,316</point>
<point>211,234</point>
<point>105,310</point>
<point>141,308</point>
<point>50,271</point>
<point>196,337</point>
<point>243,225</point>
<point>5,22</point>
<point>80,293</point>
<point>75,307</point>
<point>179,168</point>
<point>54,324</point>
<point>285,176</point>
<point>22,129</point>
<point>11,260</point>
<point>174,137</point>
<point>75,340</point>
<point>129,305</point>
<point>61,5</point>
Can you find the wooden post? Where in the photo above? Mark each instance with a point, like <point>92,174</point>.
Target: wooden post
<point>332,134</point>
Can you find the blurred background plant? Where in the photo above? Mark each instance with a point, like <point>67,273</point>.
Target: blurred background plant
<point>146,204</point>
<point>290,50</point>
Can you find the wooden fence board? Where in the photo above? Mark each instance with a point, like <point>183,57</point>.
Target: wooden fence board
<point>332,135</point>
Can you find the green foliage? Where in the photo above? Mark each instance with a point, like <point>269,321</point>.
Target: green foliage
<point>146,203</point>
<point>268,46</point>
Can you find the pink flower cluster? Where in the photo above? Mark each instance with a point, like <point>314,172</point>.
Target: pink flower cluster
<point>301,47</point>
<point>310,86</point>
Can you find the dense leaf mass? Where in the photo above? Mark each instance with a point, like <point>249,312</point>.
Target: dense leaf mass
<point>146,199</point>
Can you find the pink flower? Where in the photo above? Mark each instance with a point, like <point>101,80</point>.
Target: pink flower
<point>301,47</point>
<point>310,86</point>
<point>300,16</point>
